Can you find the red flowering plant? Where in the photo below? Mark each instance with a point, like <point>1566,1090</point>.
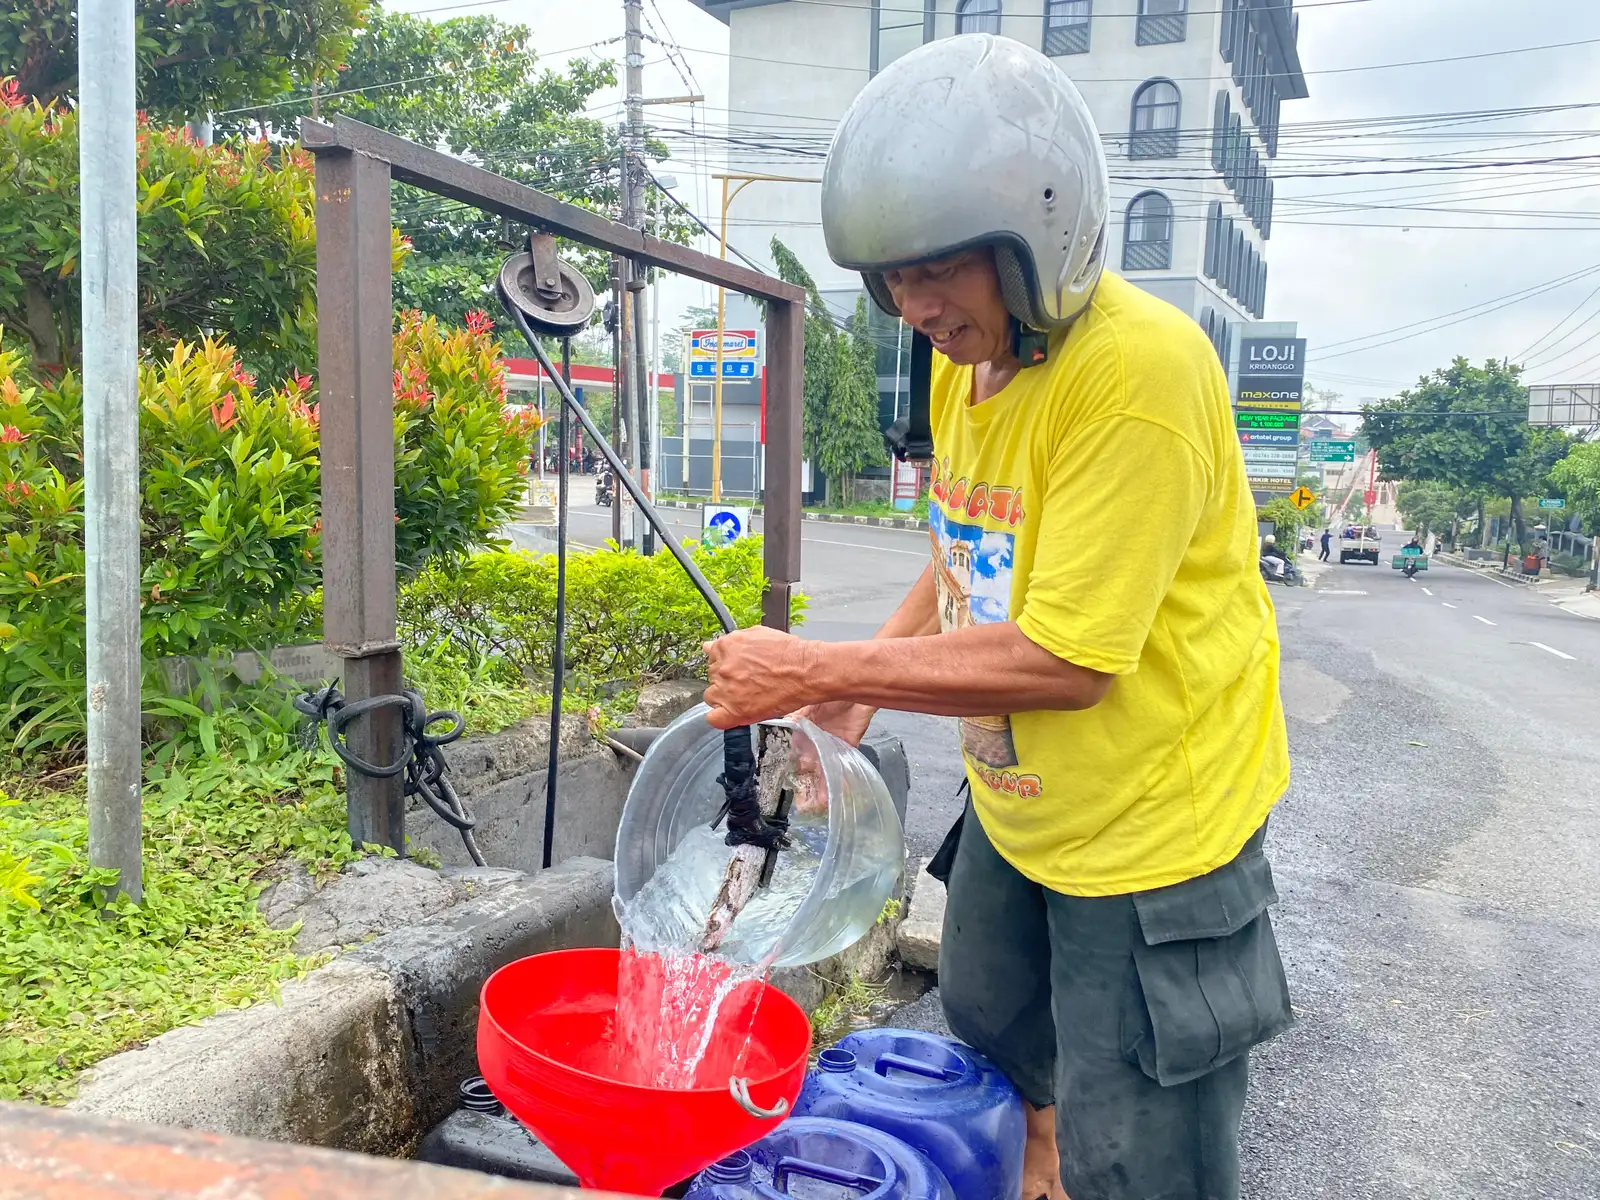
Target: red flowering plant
<point>230,476</point>
<point>460,455</point>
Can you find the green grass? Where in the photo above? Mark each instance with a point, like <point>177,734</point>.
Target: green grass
<point>855,998</point>
<point>81,979</point>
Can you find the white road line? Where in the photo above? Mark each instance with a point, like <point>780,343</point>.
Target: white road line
<point>924,553</point>
<point>1341,592</point>
<point>1552,650</point>
<point>1427,591</point>
<point>1447,604</point>
<point>1485,620</point>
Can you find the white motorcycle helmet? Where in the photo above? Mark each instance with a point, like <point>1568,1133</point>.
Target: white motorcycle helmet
<point>970,141</point>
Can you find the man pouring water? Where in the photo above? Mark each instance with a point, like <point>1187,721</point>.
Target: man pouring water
<point>1106,938</point>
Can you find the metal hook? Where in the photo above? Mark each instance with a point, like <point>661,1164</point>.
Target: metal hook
<point>740,1088</point>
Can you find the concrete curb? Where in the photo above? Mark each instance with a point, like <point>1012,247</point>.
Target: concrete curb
<point>365,1053</point>
<point>914,523</point>
<point>921,931</point>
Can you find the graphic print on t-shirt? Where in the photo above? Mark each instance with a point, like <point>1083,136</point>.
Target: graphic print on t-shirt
<point>972,574</point>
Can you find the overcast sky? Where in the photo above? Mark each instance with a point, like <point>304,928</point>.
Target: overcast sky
<point>1342,269</point>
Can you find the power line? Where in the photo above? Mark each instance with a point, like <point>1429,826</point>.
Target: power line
<point>1390,66</point>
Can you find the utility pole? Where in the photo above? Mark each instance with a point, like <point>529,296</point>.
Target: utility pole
<point>109,183</point>
<point>634,276</point>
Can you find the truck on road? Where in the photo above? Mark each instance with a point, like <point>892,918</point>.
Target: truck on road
<point>1361,544</point>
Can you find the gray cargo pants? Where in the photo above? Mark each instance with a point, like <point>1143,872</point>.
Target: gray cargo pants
<point>1133,1014</point>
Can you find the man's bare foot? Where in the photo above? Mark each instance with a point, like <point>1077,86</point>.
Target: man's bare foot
<point>1041,1165</point>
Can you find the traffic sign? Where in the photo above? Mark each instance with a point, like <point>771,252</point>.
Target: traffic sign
<point>1369,497</point>
<point>1302,498</point>
<point>1558,503</point>
<point>1333,452</point>
<point>722,523</point>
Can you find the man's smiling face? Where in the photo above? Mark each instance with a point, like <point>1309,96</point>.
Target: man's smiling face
<point>956,303</point>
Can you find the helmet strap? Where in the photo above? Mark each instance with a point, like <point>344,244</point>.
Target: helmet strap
<point>1029,346</point>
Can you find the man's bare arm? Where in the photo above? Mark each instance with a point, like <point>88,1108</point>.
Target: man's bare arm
<point>982,670</point>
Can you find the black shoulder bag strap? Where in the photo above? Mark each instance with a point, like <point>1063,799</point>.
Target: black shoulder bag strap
<point>910,439</point>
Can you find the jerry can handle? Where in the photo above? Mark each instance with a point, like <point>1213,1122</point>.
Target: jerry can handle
<point>820,1171</point>
<point>899,1062</point>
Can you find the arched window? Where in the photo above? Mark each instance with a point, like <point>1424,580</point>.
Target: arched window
<point>1066,27</point>
<point>1147,238</point>
<point>1156,109</point>
<point>1162,21</point>
<point>978,16</point>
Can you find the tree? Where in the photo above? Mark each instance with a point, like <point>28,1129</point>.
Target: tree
<point>473,86</point>
<point>849,438</point>
<point>1576,478</point>
<point>696,316</point>
<point>227,244</point>
<point>821,351</point>
<point>1466,427</point>
<point>194,56</point>
<point>1430,507</point>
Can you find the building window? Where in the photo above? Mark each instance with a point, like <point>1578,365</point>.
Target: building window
<point>978,16</point>
<point>898,28</point>
<point>1230,16</point>
<point>1213,238</point>
<point>1066,27</point>
<point>1147,239</point>
<point>1156,108</point>
<point>1219,132</point>
<point>1162,21</point>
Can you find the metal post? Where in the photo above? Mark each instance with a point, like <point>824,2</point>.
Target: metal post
<point>640,384</point>
<point>110,254</point>
<point>655,378</point>
<point>786,349</point>
<point>617,438</point>
<point>626,406</point>
<point>355,365</point>
<point>558,647</point>
<point>716,380</point>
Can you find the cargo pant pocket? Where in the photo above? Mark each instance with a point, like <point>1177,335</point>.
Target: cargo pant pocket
<point>1209,981</point>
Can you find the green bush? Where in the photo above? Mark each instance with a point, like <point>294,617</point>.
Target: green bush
<point>230,478</point>
<point>629,618</point>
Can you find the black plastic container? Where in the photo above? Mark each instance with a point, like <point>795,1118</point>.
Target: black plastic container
<point>482,1136</point>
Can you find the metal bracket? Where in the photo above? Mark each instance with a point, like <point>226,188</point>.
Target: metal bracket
<point>546,265</point>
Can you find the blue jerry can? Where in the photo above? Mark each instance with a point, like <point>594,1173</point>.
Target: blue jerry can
<point>810,1156</point>
<point>938,1095</point>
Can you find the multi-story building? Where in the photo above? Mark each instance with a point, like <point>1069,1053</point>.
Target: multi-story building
<point>1187,95</point>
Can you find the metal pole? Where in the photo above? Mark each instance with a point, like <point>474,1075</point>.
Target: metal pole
<point>716,380</point>
<point>110,253</point>
<point>643,429</point>
<point>558,650</point>
<point>616,396</point>
<point>355,368</point>
<point>622,383</point>
<point>655,377</point>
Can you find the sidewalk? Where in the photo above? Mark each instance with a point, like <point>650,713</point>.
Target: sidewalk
<point>1571,595</point>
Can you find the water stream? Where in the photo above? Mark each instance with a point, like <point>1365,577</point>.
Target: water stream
<point>684,1018</point>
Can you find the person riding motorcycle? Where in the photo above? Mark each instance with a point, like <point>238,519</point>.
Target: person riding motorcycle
<point>1274,562</point>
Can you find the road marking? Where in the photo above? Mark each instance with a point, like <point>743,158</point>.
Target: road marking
<point>1447,604</point>
<point>1427,591</point>
<point>860,546</point>
<point>1485,620</point>
<point>1553,650</point>
<point>1341,592</point>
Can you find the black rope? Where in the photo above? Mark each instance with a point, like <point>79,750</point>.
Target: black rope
<point>422,760</point>
<point>742,805</point>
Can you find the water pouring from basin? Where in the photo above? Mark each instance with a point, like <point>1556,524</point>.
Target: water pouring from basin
<point>546,1045</point>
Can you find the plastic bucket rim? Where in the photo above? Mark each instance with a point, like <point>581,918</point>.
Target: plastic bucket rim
<point>485,1014</point>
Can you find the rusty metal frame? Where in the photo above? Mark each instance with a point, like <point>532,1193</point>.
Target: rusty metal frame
<point>355,164</point>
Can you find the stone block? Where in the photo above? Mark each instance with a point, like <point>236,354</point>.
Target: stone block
<point>920,932</point>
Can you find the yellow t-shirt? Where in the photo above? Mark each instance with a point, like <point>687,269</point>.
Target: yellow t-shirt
<point>1099,500</point>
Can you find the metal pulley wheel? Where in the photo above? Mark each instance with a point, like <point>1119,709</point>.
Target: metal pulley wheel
<point>551,293</point>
